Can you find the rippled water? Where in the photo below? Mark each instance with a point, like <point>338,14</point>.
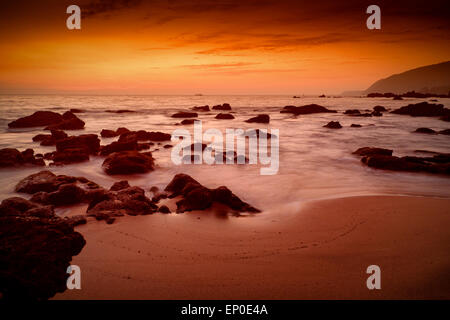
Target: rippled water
<point>315,162</point>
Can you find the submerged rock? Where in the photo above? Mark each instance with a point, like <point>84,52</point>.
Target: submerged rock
<point>201,108</point>
<point>425,130</point>
<point>183,114</point>
<point>370,151</point>
<point>261,118</point>
<point>197,197</point>
<point>224,116</point>
<point>333,125</point>
<point>222,107</point>
<point>306,109</point>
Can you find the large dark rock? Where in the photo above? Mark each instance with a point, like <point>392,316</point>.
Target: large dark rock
<point>37,119</point>
<point>36,248</point>
<point>306,109</point>
<point>10,157</point>
<point>128,162</point>
<point>90,143</point>
<point>261,118</point>
<point>197,197</point>
<point>423,109</point>
<point>69,122</point>
<point>222,107</point>
<point>183,114</point>
<point>224,116</point>
<point>50,139</point>
<point>68,156</point>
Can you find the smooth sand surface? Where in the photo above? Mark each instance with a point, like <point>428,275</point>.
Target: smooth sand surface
<point>321,252</point>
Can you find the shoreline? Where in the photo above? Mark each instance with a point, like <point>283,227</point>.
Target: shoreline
<point>320,252</point>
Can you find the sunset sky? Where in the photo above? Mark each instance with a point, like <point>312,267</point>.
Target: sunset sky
<point>215,47</point>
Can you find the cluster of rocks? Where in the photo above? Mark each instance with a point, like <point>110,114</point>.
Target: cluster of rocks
<point>10,157</point>
<point>409,94</point>
<point>377,112</point>
<point>222,107</point>
<point>36,247</point>
<point>52,121</point>
<point>381,158</point>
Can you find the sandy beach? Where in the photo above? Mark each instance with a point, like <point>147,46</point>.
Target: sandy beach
<point>322,252</point>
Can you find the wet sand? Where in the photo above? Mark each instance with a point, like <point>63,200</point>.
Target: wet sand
<point>321,252</point>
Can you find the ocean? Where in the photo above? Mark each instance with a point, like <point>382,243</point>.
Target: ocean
<point>315,162</point>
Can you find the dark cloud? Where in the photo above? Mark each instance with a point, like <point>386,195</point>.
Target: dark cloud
<point>98,7</point>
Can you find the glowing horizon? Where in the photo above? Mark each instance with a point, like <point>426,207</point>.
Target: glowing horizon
<point>214,47</point>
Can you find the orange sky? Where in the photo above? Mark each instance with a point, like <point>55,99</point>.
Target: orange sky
<point>215,47</point>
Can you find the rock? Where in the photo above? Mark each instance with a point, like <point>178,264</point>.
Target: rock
<point>376,113</point>
<point>37,119</point>
<point>164,209</point>
<point>66,194</point>
<point>423,109</point>
<point>379,109</point>
<point>167,146</point>
<point>198,197</point>
<point>307,109</point>
<point>50,139</point>
<point>187,121</point>
<point>16,206</point>
<point>197,145</point>
<point>105,133</point>
<point>201,108</point>
<point>256,132</point>
<point>74,110</point>
<point>183,114</point>
<point>35,250</point>
<point>118,146</point>
<point>42,137</point>
<point>131,201</point>
<point>425,130</point>
<point>397,98</point>
<point>352,111</point>
<point>223,107</point>
<point>355,125</point>
<point>224,116</point>
<point>370,151</point>
<point>128,162</point>
<point>446,132</point>
<point>120,111</point>
<point>445,118</point>
<point>48,188</point>
<point>261,118</point>
<point>143,135</point>
<point>333,125</point>
<point>10,157</point>
<point>77,220</point>
<point>143,146</point>
<point>119,185</point>
<point>69,122</point>
<point>68,156</point>
<point>90,143</point>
